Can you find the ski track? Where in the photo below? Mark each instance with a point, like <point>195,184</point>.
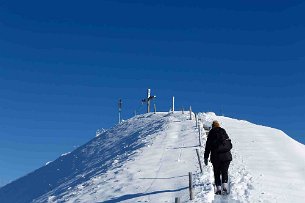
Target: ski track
<point>158,171</point>
<point>172,136</point>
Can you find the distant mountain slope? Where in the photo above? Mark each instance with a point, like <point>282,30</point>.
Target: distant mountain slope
<point>147,159</point>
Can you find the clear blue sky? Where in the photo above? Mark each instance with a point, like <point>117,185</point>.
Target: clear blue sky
<point>65,64</point>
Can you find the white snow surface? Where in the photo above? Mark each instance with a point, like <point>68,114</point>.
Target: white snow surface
<point>147,159</point>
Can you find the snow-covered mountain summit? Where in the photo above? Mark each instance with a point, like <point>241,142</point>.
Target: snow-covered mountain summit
<point>147,159</point>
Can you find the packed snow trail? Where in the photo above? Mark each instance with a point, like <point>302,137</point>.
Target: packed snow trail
<point>161,172</point>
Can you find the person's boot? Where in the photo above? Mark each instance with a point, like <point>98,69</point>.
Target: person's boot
<point>225,188</point>
<point>218,190</point>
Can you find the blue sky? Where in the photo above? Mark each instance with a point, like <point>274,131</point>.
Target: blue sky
<point>64,65</point>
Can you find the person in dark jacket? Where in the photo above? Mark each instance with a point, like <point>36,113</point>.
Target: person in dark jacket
<point>220,160</point>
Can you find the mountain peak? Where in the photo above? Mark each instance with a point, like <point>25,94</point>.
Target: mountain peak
<point>148,157</point>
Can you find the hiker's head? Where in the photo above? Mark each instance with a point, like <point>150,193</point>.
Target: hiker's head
<point>215,124</point>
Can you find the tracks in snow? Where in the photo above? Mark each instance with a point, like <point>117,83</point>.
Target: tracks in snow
<point>240,181</point>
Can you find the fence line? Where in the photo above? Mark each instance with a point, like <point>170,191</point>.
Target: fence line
<point>197,151</point>
<point>191,186</point>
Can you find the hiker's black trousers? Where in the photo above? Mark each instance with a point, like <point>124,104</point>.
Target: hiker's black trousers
<point>221,169</point>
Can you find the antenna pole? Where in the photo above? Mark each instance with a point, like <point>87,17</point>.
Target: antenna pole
<point>148,100</point>
<point>120,109</point>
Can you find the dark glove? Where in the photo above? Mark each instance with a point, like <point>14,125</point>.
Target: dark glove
<point>206,162</point>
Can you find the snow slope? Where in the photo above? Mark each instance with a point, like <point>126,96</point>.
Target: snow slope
<point>268,165</point>
<point>147,159</point>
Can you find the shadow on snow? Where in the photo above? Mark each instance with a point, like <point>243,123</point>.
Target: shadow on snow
<point>131,196</point>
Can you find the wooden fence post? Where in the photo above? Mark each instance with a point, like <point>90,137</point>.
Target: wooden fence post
<point>173,107</point>
<point>191,186</point>
<point>177,200</point>
<point>182,110</point>
<point>197,151</point>
<point>190,112</point>
<point>200,144</point>
<point>196,118</point>
<point>155,108</point>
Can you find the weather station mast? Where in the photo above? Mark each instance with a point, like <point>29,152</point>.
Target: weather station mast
<point>120,109</point>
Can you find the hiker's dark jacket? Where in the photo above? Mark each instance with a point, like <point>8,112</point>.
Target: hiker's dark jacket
<point>215,136</point>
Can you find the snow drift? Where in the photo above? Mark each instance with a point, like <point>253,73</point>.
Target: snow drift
<point>147,159</point>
